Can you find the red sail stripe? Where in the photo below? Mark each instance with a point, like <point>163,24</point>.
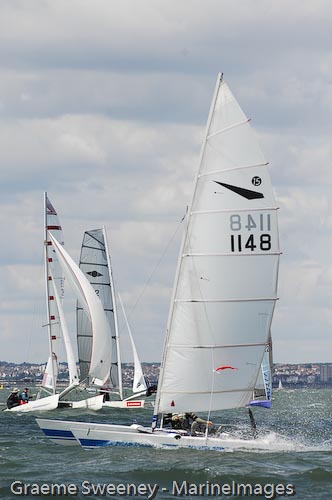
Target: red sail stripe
<point>54,228</point>
<point>225,368</point>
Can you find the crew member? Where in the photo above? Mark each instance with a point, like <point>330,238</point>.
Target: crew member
<point>13,399</point>
<point>24,396</point>
<point>189,421</point>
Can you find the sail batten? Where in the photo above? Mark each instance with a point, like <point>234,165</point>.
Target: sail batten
<point>193,346</point>
<point>227,210</point>
<point>222,308</point>
<point>233,168</point>
<point>221,131</point>
<point>203,301</point>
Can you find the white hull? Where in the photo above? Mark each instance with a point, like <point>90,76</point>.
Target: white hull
<point>138,403</point>
<point>95,403</point>
<point>91,436</point>
<point>43,404</point>
<point>61,431</point>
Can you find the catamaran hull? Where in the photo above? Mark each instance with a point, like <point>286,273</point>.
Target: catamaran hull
<point>138,403</point>
<point>95,403</point>
<point>43,404</point>
<point>62,431</point>
<point>94,435</point>
<point>89,437</point>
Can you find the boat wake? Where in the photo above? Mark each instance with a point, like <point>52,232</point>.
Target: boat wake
<point>273,442</point>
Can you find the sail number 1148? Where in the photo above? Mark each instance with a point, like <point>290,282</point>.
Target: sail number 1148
<point>260,223</point>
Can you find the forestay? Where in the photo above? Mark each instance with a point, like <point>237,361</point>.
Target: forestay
<point>226,284</point>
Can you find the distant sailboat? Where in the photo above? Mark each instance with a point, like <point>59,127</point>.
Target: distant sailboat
<point>224,292</point>
<point>95,263</point>
<point>56,326</point>
<point>280,386</point>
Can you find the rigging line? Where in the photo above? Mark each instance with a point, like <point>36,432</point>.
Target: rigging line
<point>158,263</point>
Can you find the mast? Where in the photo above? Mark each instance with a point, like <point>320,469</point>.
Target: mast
<point>116,326</point>
<point>177,275</point>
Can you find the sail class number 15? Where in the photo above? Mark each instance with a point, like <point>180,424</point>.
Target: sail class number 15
<point>259,228</point>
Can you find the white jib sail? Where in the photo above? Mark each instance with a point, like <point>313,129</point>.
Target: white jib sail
<point>101,348</point>
<point>50,373</point>
<point>95,263</point>
<point>226,283</point>
<point>72,368</point>
<point>139,383</point>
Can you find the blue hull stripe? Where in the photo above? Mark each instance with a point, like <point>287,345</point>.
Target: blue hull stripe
<point>54,433</point>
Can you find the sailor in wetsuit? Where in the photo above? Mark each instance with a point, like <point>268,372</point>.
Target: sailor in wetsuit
<point>24,396</point>
<point>13,399</point>
<point>188,422</point>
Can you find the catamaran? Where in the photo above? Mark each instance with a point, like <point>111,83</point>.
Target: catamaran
<point>49,396</point>
<point>224,293</point>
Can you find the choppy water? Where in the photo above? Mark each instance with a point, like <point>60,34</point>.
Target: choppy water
<point>295,448</point>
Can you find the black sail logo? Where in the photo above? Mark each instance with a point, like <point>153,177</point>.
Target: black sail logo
<point>245,193</point>
<point>94,274</point>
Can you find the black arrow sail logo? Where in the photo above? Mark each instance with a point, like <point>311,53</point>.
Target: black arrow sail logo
<point>246,193</point>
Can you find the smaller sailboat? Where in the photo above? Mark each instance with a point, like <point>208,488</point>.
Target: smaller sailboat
<point>47,399</point>
<point>95,263</point>
<point>280,386</point>
<point>57,325</point>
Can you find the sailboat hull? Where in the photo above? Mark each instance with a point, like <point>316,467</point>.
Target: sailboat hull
<point>138,403</point>
<point>129,436</point>
<point>62,431</point>
<point>42,404</point>
<point>93,435</point>
<point>95,403</point>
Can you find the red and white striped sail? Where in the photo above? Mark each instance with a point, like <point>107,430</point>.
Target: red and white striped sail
<point>57,326</point>
<point>226,284</point>
<point>54,281</point>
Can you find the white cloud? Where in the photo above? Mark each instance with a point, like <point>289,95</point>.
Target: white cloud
<point>103,104</point>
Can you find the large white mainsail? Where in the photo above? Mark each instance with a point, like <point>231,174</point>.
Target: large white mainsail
<point>101,352</point>
<point>226,283</point>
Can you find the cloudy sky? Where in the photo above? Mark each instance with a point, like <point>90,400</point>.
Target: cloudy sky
<point>103,104</point>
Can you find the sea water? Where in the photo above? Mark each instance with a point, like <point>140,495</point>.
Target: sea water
<point>291,458</point>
